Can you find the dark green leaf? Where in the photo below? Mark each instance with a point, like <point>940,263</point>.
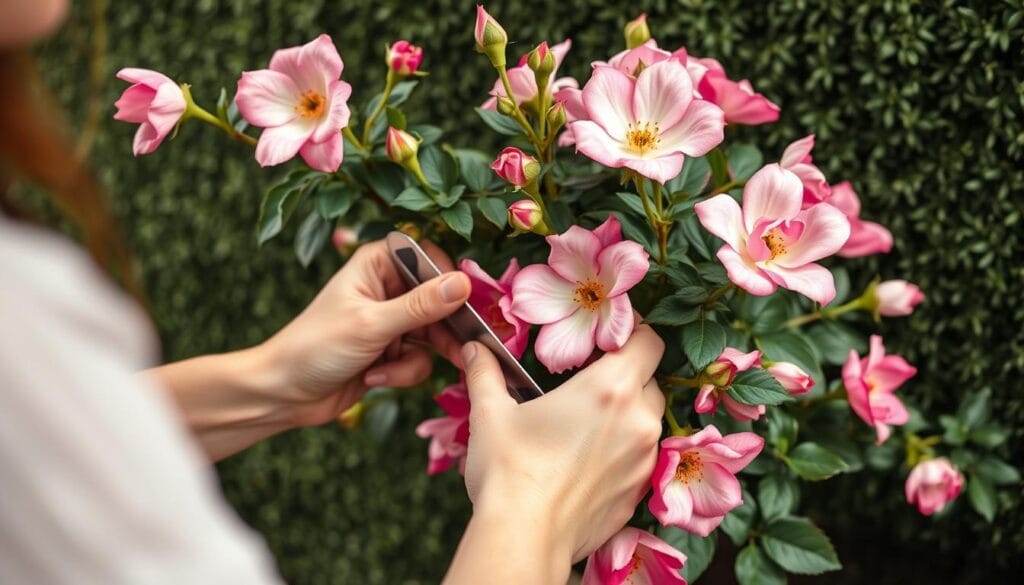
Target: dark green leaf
<point>385,178</point>
<point>834,340</point>
<point>792,346</point>
<point>782,429</point>
<point>753,567</point>
<point>756,386</point>
<point>500,123</point>
<point>399,94</point>
<point>719,167</point>
<point>452,196</point>
<point>799,547</point>
<point>765,314</point>
<point>634,203</point>
<point>413,199</point>
<point>698,238</point>
<point>698,550</point>
<point>996,471</point>
<point>427,134</point>
<point>954,431</point>
<point>703,342</point>
<point>673,310</point>
<point>459,218</point>
<point>634,229</point>
<point>777,495</point>
<point>475,167</point>
<point>380,419</point>
<point>279,203</point>
<point>494,210</point>
<point>682,275</point>
<point>439,168</point>
<point>334,199</point>
<point>975,410</point>
<point>692,178</point>
<point>983,497</point>
<point>737,523</point>
<point>813,462</point>
<point>311,237</point>
<point>396,118</point>
<point>744,160</point>
<point>989,435</point>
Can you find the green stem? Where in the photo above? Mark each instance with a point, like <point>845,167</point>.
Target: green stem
<point>517,114</point>
<point>348,133</point>
<point>839,393</point>
<point>663,226</point>
<point>830,313</point>
<point>651,218</point>
<point>735,184</point>
<point>683,381</point>
<point>717,294</point>
<point>673,424</point>
<point>193,110</point>
<point>389,85</point>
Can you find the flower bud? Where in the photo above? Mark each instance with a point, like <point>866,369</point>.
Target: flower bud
<point>542,61</point>
<point>556,116</point>
<point>637,32</point>
<point>404,58</point>
<point>526,216</point>
<point>400,146</point>
<point>720,373</point>
<point>791,377</point>
<point>410,229</point>
<point>516,167</point>
<point>932,484</point>
<point>353,417</point>
<point>897,298</point>
<point>505,106</point>
<point>491,38</point>
<point>344,239</point>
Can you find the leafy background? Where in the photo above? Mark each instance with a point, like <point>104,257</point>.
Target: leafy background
<point>918,102</point>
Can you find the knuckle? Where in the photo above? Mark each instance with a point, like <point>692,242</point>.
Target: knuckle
<point>616,393</point>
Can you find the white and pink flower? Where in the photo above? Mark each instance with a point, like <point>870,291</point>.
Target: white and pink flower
<point>739,101</point>
<point>649,123</point>
<point>633,61</point>
<point>154,102</point>
<point>897,298</point>
<point>524,82</point>
<point>871,384</point>
<point>793,379</point>
<point>449,435</point>
<point>932,484</point>
<point>770,242</point>
<point>694,480</point>
<point>634,556</point>
<point>718,376</point>
<point>866,237</point>
<point>579,297</point>
<point>797,159</point>
<point>301,103</point>
<point>492,299</point>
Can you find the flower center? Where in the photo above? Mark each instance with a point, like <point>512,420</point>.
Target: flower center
<point>644,137</point>
<point>588,294</point>
<point>496,320</point>
<point>690,468</point>
<point>311,105</point>
<point>775,241</point>
<point>636,563</point>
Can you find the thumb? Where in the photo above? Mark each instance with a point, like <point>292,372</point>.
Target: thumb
<point>424,305</point>
<point>484,379</point>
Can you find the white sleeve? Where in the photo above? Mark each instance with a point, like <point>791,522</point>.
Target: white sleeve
<point>100,482</point>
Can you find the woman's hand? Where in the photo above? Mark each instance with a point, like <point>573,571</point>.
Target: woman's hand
<point>552,479</point>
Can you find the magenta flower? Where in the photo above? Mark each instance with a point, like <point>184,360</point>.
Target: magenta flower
<point>694,480</point>
<point>154,102</point>
<point>449,435</point>
<point>771,242</point>
<point>797,158</point>
<point>739,101</point>
<point>579,297</point>
<point>791,377</point>
<point>404,58</point>
<point>871,384</point>
<point>516,167</point>
<point>524,82</point>
<point>301,104</point>
<point>866,237</point>
<point>932,484</point>
<point>897,298</point>
<point>634,556</point>
<point>716,379</point>
<point>492,299</point>
<point>650,123</point>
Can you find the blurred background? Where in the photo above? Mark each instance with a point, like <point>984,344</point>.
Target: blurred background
<point>920,104</point>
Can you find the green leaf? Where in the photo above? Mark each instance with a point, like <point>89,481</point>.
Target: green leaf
<point>459,218</point>
<point>396,118</point>
<point>983,497</point>
<point>756,386</point>
<point>813,462</point>
<point>975,410</point>
<point>413,199</point>
<point>782,429</point>
<point>634,203</point>
<point>703,341</point>
<point>335,199</point>
<point>737,523</point>
<point>439,168</point>
<point>792,346</point>
<point>834,341</point>
<point>996,471</point>
<point>698,550</point>
<point>682,275</point>
<point>476,169</point>
<point>698,238</point>
<point>452,196</point>
<point>765,314</point>
<point>311,237</point>
<point>989,435</point>
<point>399,94</point>
<point>753,567</point>
<point>380,419</point>
<point>673,310</point>
<point>494,210</point>
<point>692,178</point>
<point>799,547</point>
<point>385,178</point>
<point>954,431</point>
<point>777,495</point>
<point>719,167</point>
<point>427,134</point>
<point>279,203</point>
<point>744,160</point>
<point>500,123</point>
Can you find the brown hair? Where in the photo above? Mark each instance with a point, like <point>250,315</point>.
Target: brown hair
<point>35,145</point>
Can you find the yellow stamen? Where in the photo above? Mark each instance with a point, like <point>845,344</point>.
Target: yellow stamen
<point>690,468</point>
<point>311,105</point>
<point>775,241</point>
<point>588,294</point>
<point>643,138</point>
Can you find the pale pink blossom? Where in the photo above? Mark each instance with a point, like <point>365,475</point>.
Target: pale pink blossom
<point>716,379</point>
<point>694,480</point>
<point>154,102</point>
<point>871,384</point>
<point>404,58</point>
<point>866,237</point>
<point>771,242</point>
<point>797,158</point>
<point>579,297</point>
<point>449,435</point>
<point>649,123</point>
<point>636,557</point>
<point>739,101</point>
<point>571,99</point>
<point>897,298</point>
<point>524,82</point>
<point>492,299</point>
<point>301,103</point>
<point>633,61</point>
<point>791,377</point>
<point>516,167</point>
<point>932,484</point>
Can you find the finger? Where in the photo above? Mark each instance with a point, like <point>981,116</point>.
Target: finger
<point>446,344</point>
<point>412,367</point>
<point>424,305</point>
<point>484,380</point>
<point>638,358</point>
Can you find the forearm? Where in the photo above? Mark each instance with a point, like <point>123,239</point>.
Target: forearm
<point>229,401</point>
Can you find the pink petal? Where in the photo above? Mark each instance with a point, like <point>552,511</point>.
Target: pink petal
<point>523,83</point>
<point>540,295</point>
<point>707,399</point>
<point>890,373</point>
<point>133,105</point>
<point>325,156</point>
<point>866,238</point>
<point>668,559</point>
<point>281,143</point>
<point>612,557</point>
<point>510,273</point>
<point>661,169</point>
<point>609,232</point>
<point>312,66</point>
<point>483,284</point>
<point>595,143</point>
<point>748,445</point>
<point>614,323</point>
<point>844,198</point>
<point>701,129</point>
<point>560,50</point>
<point>622,266</point>
<point>816,187</point>
<point>741,361</point>
<point>825,231</point>
<point>567,343</point>
<point>490,104</point>
<point>574,254</point>
<point>876,351</point>
<point>893,409</point>
<point>814,281</point>
<point>153,79</point>
<point>745,274</point>
<point>516,343</point>
<point>737,99</point>
<point>147,139</point>
<point>648,53</point>
<point>267,98</point>
<point>702,526</point>
<point>166,108</point>
<point>742,412</point>
<point>662,94</point>
<point>772,193</point>
<point>338,115</point>
<point>856,390</point>
<point>797,151</point>
<point>715,492</point>
<point>721,216</point>
<point>608,97</point>
<point>572,98</point>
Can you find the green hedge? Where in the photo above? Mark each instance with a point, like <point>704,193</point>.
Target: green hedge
<point>919,103</point>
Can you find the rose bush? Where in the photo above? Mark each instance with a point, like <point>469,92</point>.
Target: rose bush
<point>629,194</point>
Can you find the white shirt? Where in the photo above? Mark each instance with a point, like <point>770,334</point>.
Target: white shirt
<point>99,480</point>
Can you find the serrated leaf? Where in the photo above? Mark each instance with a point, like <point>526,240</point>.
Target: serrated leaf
<point>996,471</point>
<point>692,178</point>
<point>777,495</point>
<point>380,419</point>
<point>983,497</point>
<point>813,462</point>
<point>494,210</point>
<point>698,550</point>
<point>753,567</point>
<point>672,310</point>
<point>335,199</point>
<point>452,197</point>
<point>500,123</point>
<point>475,167</point>
<point>744,160</point>
<point>799,546</point>
<point>703,342</point>
<point>413,199</point>
<point>311,237</point>
<point>756,386</point>
<point>765,314</point>
<point>737,523</point>
<point>279,203</point>
<point>460,218</point>
<point>439,168</point>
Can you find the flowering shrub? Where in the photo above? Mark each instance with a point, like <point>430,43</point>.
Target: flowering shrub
<point>626,194</point>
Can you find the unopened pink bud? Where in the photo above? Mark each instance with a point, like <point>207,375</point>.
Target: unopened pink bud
<point>791,377</point>
<point>897,298</point>
<point>526,216</point>
<point>400,146</point>
<point>491,38</point>
<point>404,58</point>
<point>516,167</point>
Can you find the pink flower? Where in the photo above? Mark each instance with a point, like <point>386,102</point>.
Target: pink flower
<point>449,435</point>
<point>797,158</point>
<point>932,484</point>
<point>579,296</point>
<point>739,101</point>
<point>571,99</point>
<point>718,376</point>
<point>301,103</point>
<point>516,167</point>
<point>771,242</point>
<point>632,61</point>
<point>404,58</point>
<point>524,83</point>
<point>634,556</point>
<point>866,237</point>
<point>650,123</point>
<point>871,384</point>
<point>792,378</point>
<point>154,102</point>
<point>897,298</point>
<point>492,299</point>
<point>694,480</point>
<point>487,32</point>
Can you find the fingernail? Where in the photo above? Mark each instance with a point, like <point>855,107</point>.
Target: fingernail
<point>468,353</point>
<point>375,379</point>
<point>453,288</point>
